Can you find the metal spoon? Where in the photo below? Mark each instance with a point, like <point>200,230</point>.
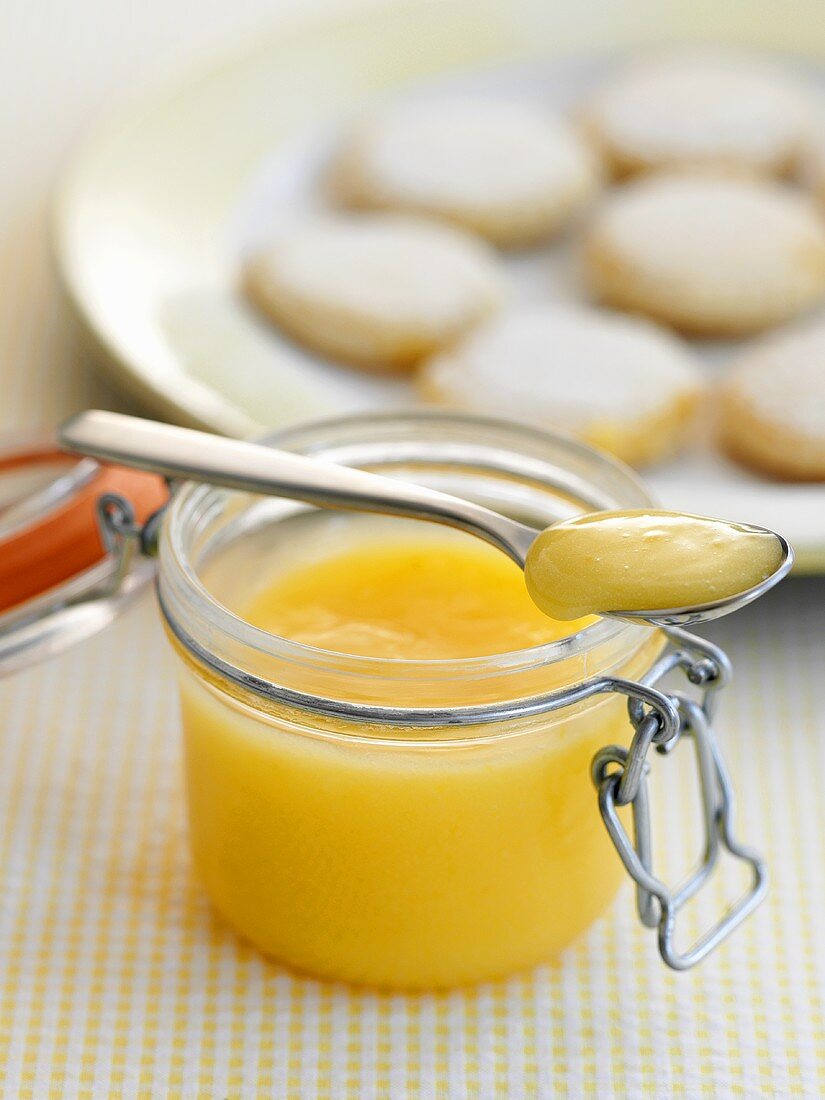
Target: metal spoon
<point>252,467</point>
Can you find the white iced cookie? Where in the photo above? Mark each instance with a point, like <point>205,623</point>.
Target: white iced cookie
<point>694,109</point>
<point>812,171</point>
<point>617,382</point>
<point>504,169</point>
<point>710,254</point>
<point>378,291</point>
<point>772,410</point>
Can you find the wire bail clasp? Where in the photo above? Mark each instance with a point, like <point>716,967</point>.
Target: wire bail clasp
<point>620,776</point>
<point>123,538</point>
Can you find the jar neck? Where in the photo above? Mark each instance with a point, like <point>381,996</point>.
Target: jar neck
<point>210,535</point>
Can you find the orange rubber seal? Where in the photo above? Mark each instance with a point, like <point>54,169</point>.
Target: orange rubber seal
<point>64,540</point>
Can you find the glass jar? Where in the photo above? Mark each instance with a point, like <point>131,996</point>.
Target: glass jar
<point>410,824</point>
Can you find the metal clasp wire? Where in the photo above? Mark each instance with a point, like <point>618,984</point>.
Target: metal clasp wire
<point>620,776</point>
<point>123,538</point>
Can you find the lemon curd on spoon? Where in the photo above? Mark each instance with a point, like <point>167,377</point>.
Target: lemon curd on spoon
<point>645,561</point>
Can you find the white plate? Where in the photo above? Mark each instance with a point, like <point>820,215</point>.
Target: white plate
<point>154,214</point>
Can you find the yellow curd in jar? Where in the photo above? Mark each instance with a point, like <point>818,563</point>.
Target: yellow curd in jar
<point>405,858</point>
<point>439,598</point>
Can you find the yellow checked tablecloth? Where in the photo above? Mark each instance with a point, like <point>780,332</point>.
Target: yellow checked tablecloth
<point>117,980</point>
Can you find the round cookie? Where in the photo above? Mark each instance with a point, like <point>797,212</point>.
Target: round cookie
<point>503,169</point>
<point>700,108</point>
<point>710,254</point>
<point>618,382</point>
<point>380,291</point>
<point>772,408</point>
<point>812,170</point>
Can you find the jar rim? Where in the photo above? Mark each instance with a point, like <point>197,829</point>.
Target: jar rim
<point>179,575</point>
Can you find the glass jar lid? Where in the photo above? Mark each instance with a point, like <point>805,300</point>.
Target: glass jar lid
<point>61,577</point>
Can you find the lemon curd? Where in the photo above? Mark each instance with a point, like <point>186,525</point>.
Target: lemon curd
<point>406,857</point>
<point>438,598</point>
<point>645,560</point>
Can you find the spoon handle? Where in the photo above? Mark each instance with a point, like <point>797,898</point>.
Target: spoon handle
<point>253,467</point>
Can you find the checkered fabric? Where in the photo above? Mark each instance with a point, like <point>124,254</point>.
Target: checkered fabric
<point>117,979</point>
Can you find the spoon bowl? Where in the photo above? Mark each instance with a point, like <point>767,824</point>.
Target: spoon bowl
<point>703,613</point>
